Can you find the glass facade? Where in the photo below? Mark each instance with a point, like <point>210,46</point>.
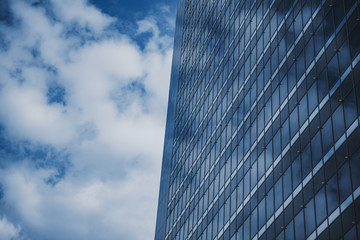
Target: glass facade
<point>263,138</point>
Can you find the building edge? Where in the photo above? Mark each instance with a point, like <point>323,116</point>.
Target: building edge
<point>169,131</point>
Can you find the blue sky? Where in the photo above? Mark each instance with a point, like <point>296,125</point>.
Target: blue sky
<point>83,97</point>
<point>128,12</point>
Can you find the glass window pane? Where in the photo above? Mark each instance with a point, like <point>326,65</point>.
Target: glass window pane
<point>303,113</point>
<point>283,89</point>
<point>287,183</point>
<point>254,227</point>
<point>323,85</point>
<point>285,133</point>
<point>309,218</point>
<point>247,183</point>
<point>240,194</point>
<point>344,181</point>
<point>350,109</point>
<point>253,175</point>
<point>262,212</point>
<point>332,197</point>
<point>320,206</point>
<point>344,56</point>
<point>233,202</point>
<point>355,169</point>
<point>316,149</point>
<point>299,226</point>
<point>333,71</point>
<point>261,165</point>
<point>319,39</point>
<point>269,203</point>
<point>277,144</point>
<point>309,52</point>
<point>327,138</point>
<point>289,231</point>
<point>312,95</point>
<point>296,172</point>
<point>338,122</point>
<point>306,160</point>
<point>275,100</point>
<point>268,155</point>
<point>239,234</point>
<point>278,193</point>
<point>294,122</point>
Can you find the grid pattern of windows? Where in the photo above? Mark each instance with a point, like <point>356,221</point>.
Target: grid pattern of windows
<point>265,135</point>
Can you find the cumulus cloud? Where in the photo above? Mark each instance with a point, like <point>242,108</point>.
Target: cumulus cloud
<point>82,114</point>
<point>7,230</point>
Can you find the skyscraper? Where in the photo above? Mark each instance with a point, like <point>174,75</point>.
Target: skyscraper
<point>262,138</point>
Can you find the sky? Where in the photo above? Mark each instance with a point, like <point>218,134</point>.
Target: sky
<point>83,98</point>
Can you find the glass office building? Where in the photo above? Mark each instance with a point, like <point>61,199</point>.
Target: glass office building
<point>263,138</point>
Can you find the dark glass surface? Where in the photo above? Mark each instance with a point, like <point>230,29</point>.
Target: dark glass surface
<point>262,137</point>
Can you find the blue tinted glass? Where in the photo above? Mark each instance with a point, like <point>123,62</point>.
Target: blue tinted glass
<point>277,144</point>
<point>283,89</point>
<point>299,226</point>
<point>233,202</point>
<point>280,236</point>
<point>261,165</point>
<point>268,155</point>
<point>332,196</point>
<point>313,98</point>
<point>306,160</point>
<point>289,231</point>
<point>300,65</point>
<point>235,64</point>
<point>239,192</point>
<point>290,38</point>
<point>221,216</point>
<point>296,172</point>
<point>247,228</point>
<point>254,172</point>
<point>344,181</point>
<point>287,183</point>
<point>262,212</point>
<point>298,24</point>
<point>247,183</point>
<point>239,234</point>
<point>320,206</point>
<point>267,112</point>
<point>319,39</point>
<point>309,218</point>
<point>316,149</point>
<point>269,203</point>
<point>285,133</point>
<point>344,56</point>
<point>350,109</point>
<point>309,52</point>
<point>338,122</point>
<point>333,71</point>
<point>254,220</point>
<point>227,211</point>
<point>355,168</point>
<point>323,85</point>
<point>275,100</point>
<point>303,114</point>
<point>294,122</point>
<point>327,137</point>
<point>278,193</point>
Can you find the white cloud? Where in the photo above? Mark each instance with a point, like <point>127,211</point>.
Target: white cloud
<point>110,123</point>
<point>75,209</point>
<point>28,115</point>
<point>82,13</point>
<point>7,230</point>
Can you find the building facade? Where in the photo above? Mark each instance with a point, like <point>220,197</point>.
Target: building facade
<point>263,138</point>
